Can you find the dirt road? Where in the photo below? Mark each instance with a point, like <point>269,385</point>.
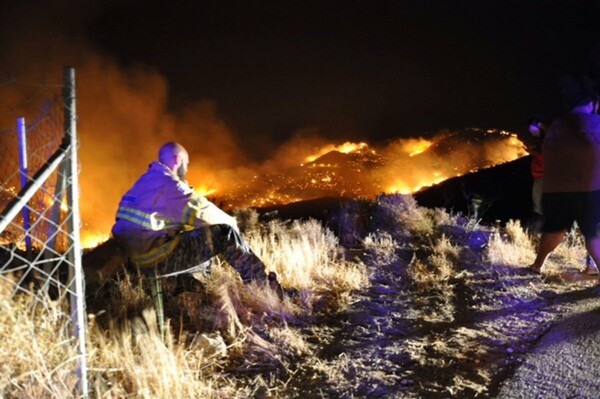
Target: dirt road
<point>496,333</point>
<point>565,363</point>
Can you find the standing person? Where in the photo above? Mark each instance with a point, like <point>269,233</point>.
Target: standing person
<point>538,131</point>
<point>162,224</point>
<point>571,186</point>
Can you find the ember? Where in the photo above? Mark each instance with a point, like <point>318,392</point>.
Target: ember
<point>358,170</point>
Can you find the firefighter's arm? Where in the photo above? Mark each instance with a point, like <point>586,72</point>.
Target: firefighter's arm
<point>204,212</point>
<point>212,214</point>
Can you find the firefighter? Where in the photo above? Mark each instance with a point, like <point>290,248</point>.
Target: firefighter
<point>164,226</point>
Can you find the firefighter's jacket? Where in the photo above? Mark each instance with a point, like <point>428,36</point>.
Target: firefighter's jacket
<point>154,212</point>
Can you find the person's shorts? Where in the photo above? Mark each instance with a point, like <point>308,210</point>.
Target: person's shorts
<point>562,209</point>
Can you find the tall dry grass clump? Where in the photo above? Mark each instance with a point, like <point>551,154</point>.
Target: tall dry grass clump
<point>38,353</point>
<point>134,360</point>
<point>400,215</point>
<point>229,330</point>
<point>511,246</point>
<point>571,253</point>
<point>437,265</point>
<point>307,256</point>
<point>382,246</point>
<point>401,222</point>
<point>514,246</point>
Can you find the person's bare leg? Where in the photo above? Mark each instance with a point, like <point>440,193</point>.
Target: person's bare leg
<point>548,242</point>
<point>593,247</point>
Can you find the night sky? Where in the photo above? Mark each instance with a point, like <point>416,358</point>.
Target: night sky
<point>350,70</point>
<point>357,69</point>
<point>259,85</point>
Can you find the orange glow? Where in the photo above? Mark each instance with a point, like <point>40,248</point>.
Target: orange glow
<point>92,240</point>
<point>351,170</point>
<point>399,187</point>
<point>402,187</point>
<point>48,201</point>
<point>416,146</point>
<point>345,148</point>
<point>204,191</point>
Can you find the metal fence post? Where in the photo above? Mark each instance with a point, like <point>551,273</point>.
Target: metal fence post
<point>77,288</point>
<point>21,131</point>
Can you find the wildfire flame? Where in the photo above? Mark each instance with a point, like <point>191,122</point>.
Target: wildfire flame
<point>357,170</point>
<point>92,240</point>
<point>204,191</point>
<point>344,148</point>
<point>48,201</point>
<point>416,146</point>
<point>402,187</point>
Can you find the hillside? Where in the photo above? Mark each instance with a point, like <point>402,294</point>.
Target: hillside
<point>449,309</point>
<point>355,170</point>
<point>503,193</point>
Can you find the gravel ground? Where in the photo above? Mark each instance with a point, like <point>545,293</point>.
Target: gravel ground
<point>495,333</point>
<point>565,363</point>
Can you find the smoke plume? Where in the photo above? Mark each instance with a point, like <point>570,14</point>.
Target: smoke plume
<point>123,115</point>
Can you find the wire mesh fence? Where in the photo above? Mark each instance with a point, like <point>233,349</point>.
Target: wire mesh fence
<point>40,250</point>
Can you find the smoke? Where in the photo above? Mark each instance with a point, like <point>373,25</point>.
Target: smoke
<point>293,152</point>
<point>123,115</point>
<point>412,164</point>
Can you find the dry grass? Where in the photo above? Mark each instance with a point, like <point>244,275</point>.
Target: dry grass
<point>37,353</point>
<point>239,327</point>
<point>571,253</point>
<point>383,247</point>
<point>437,265</point>
<point>239,341</point>
<point>401,216</point>
<point>134,360</point>
<point>308,257</point>
<point>513,247</point>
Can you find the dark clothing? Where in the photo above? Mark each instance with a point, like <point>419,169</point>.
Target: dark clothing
<point>562,209</point>
<point>200,245</point>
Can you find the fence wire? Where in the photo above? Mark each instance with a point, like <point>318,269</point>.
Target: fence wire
<point>34,243</point>
<point>39,242</point>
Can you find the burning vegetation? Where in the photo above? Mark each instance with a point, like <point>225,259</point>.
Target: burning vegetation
<point>356,170</point>
<point>308,168</point>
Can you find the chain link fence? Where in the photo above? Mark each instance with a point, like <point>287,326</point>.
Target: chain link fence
<point>40,249</point>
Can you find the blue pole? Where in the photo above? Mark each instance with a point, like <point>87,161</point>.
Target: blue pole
<point>21,129</point>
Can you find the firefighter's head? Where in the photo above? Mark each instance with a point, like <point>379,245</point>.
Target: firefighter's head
<point>175,157</point>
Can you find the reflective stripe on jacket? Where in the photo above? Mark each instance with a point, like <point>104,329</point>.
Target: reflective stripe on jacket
<point>155,210</point>
<point>146,220</point>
